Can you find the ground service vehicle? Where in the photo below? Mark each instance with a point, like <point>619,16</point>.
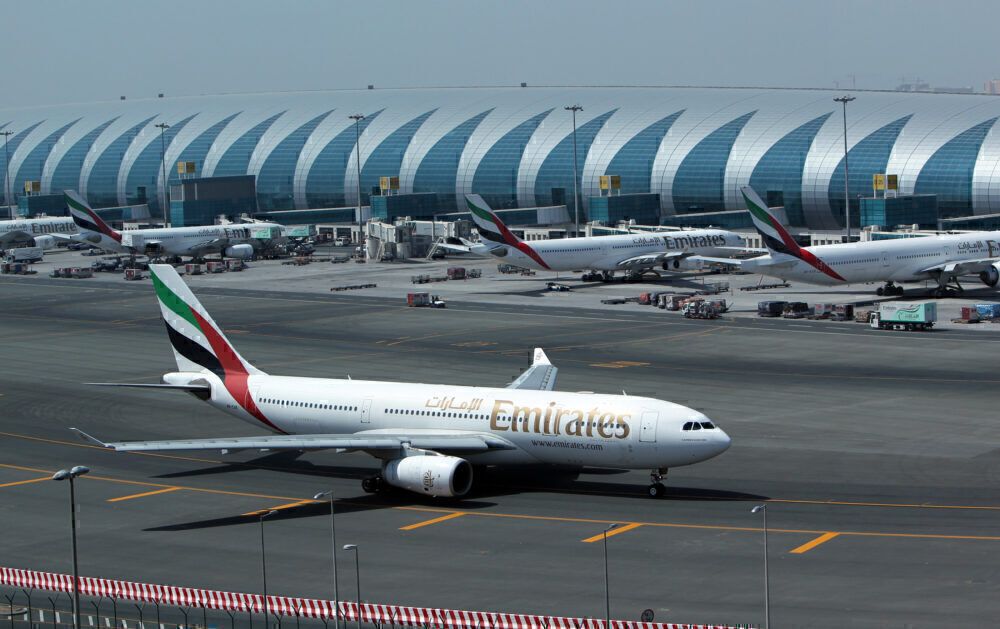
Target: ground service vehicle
<point>24,254</point>
<point>905,316</point>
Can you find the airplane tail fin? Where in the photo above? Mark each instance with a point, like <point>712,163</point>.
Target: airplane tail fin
<point>490,226</point>
<point>198,343</point>
<point>776,238</point>
<point>86,219</point>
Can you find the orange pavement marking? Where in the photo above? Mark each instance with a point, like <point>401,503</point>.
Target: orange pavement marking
<point>822,539</point>
<point>615,531</point>
<point>290,505</point>
<point>443,518</point>
<point>144,494</point>
<point>25,482</point>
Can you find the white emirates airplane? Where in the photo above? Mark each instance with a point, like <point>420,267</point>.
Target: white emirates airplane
<point>428,436</point>
<point>232,241</point>
<point>942,259</point>
<point>603,256</point>
<point>37,232</point>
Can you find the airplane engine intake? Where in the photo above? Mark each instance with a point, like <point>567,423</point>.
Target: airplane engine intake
<point>990,276</point>
<point>439,476</point>
<point>45,242</point>
<point>243,252</point>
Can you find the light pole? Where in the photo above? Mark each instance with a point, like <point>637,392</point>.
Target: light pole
<point>607,589</point>
<point>162,126</point>
<point>333,546</point>
<point>357,575</point>
<point>357,118</point>
<point>847,197</point>
<point>263,561</point>
<point>6,164</point>
<point>69,475</point>
<point>767,587</point>
<point>576,201</point>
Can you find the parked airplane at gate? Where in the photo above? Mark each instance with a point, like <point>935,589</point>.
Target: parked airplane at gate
<point>940,258</point>
<point>428,436</point>
<point>631,253</point>
<point>38,232</point>
<point>233,241</point>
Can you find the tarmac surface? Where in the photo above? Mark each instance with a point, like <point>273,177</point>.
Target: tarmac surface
<point>875,452</point>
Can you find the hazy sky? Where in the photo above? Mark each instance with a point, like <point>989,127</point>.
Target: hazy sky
<point>63,51</point>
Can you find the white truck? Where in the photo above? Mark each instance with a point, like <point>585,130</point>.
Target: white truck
<point>24,254</point>
<point>896,315</point>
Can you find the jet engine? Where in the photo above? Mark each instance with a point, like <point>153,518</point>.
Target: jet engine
<point>45,242</point>
<point>990,276</point>
<point>243,252</point>
<point>439,476</point>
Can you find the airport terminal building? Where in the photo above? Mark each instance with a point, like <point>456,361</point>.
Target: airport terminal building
<point>676,150</point>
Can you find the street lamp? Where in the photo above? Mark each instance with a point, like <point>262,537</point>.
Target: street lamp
<point>6,163</point>
<point>357,118</point>
<point>767,590</point>
<point>847,198</point>
<point>69,475</point>
<point>333,546</point>
<point>576,209</point>
<point>163,163</point>
<point>607,590</point>
<point>357,574</point>
<point>263,560</point>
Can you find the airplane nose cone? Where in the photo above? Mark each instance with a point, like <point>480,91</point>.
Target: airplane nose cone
<point>723,441</point>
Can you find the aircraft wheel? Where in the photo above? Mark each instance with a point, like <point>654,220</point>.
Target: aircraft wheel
<point>371,484</point>
<point>939,293</point>
<point>899,291</point>
<point>656,490</point>
<point>880,291</point>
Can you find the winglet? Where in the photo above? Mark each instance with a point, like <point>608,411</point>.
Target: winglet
<point>540,357</point>
<point>89,439</point>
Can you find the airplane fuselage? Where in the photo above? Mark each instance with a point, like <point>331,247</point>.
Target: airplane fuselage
<point>897,260</point>
<point>186,241</point>
<point>552,427</point>
<point>26,230</point>
<point>605,253</point>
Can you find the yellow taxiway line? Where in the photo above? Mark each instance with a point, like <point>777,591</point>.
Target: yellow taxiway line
<point>822,539</point>
<point>25,482</point>
<point>165,490</point>
<point>614,531</point>
<point>443,518</point>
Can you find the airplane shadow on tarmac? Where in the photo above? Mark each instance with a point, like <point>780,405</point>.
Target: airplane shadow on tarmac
<point>490,483</point>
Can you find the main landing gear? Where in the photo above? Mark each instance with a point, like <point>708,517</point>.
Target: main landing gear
<point>372,484</point>
<point>656,488</point>
<point>889,290</point>
<point>945,290</point>
<point>598,276</point>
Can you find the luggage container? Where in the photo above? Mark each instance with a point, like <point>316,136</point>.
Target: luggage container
<point>456,273</point>
<point>842,312</point>
<point>192,269</point>
<point>235,264</point>
<point>644,298</point>
<point>771,308</point>
<point>674,302</point>
<point>81,272</point>
<point>988,311</point>
<point>215,266</point>
<point>796,310</point>
<point>133,274</point>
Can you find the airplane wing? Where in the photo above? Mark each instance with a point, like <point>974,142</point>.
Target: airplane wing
<point>209,246</point>
<point>650,260</point>
<point>438,441</point>
<point>541,376</point>
<point>962,267</point>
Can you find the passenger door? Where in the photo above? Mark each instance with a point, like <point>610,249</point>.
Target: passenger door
<point>647,427</point>
<point>366,412</point>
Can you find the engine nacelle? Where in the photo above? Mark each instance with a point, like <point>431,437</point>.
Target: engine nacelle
<point>45,242</point>
<point>990,276</point>
<point>243,252</point>
<point>439,476</point>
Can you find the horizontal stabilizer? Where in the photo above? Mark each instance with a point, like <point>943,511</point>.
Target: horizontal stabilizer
<point>179,387</point>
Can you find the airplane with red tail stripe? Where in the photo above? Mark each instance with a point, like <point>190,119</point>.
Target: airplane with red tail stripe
<point>428,437</point>
<point>940,258</point>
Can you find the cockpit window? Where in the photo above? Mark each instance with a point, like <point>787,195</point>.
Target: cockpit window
<point>687,426</point>
<point>707,425</point>
<point>695,426</point>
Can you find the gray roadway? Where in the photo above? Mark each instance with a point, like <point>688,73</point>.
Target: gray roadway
<point>888,440</point>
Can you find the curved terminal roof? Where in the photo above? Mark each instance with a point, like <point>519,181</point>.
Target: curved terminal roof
<point>694,146</point>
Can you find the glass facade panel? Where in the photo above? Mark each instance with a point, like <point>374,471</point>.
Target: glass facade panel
<point>274,183</point>
<point>102,182</point>
<point>867,157</point>
<point>387,157</point>
<point>438,169</point>
<point>634,161</point>
<point>236,159</point>
<point>145,170</point>
<point>197,149</point>
<point>67,172</point>
<point>325,181</point>
<point>777,177</point>
<point>32,166</point>
<point>496,175</point>
<point>11,144</point>
<point>556,171</point>
<point>700,179</point>
<point>948,173</point>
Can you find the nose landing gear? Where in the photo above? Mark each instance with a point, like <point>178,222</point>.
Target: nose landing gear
<point>656,488</point>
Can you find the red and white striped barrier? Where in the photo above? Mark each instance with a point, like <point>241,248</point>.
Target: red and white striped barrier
<point>313,608</point>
